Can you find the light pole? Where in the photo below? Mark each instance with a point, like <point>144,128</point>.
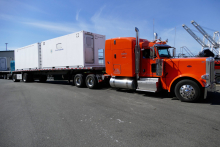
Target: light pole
<point>6,46</point>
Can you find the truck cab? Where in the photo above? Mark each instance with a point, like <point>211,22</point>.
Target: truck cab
<point>143,65</point>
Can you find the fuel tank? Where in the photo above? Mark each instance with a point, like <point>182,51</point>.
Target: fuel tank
<point>122,83</point>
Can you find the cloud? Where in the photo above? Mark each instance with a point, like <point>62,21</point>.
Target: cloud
<point>52,26</point>
<point>97,14</point>
<point>112,26</point>
<point>7,17</point>
<point>77,15</point>
<point>14,4</point>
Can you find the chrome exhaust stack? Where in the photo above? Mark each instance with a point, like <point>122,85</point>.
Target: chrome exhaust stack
<point>137,36</point>
<point>155,36</point>
<point>137,54</point>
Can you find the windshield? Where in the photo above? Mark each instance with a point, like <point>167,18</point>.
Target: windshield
<point>163,52</point>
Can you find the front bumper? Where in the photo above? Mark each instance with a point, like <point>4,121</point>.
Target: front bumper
<point>210,88</point>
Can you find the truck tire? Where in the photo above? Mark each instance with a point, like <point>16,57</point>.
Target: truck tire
<point>25,78</point>
<point>73,83</point>
<point>79,80</point>
<point>217,80</point>
<point>14,78</point>
<point>187,91</point>
<point>43,79</point>
<point>91,81</point>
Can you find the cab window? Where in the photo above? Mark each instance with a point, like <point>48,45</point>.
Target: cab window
<point>146,53</point>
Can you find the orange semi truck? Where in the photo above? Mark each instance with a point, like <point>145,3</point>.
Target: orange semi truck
<point>141,65</point>
<point>129,63</point>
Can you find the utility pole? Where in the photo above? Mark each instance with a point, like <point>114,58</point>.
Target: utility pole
<point>6,46</point>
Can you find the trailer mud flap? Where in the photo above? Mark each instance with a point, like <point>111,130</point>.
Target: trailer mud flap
<point>19,76</point>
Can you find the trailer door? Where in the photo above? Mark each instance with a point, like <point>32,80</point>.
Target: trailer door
<point>89,49</point>
<point>3,65</point>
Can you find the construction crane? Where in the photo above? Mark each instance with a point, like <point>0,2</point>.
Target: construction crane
<point>187,51</point>
<point>195,36</point>
<point>203,32</point>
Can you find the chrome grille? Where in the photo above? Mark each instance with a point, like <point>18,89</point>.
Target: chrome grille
<point>210,67</point>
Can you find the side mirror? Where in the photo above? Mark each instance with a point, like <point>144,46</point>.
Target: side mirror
<point>152,53</point>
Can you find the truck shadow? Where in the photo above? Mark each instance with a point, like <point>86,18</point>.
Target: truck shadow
<point>56,82</point>
<point>212,98</point>
<point>160,95</point>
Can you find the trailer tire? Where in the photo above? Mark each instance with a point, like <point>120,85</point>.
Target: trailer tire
<point>217,80</point>
<point>73,83</point>
<point>8,76</point>
<point>43,79</point>
<point>79,80</point>
<point>25,77</point>
<point>188,91</point>
<point>14,78</point>
<point>91,81</point>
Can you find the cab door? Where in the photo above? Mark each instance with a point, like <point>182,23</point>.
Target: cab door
<point>147,65</point>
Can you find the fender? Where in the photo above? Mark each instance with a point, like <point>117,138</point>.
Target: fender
<point>187,75</point>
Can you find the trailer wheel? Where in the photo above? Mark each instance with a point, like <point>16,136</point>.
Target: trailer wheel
<point>79,80</point>
<point>14,78</point>
<point>25,77</point>
<point>187,91</point>
<point>8,76</point>
<point>217,80</point>
<point>91,81</point>
<point>43,79</point>
<point>73,76</point>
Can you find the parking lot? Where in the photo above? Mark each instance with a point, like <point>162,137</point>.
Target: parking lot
<point>56,113</point>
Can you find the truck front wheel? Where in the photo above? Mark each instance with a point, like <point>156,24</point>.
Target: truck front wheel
<point>91,81</point>
<point>187,91</point>
<point>79,80</point>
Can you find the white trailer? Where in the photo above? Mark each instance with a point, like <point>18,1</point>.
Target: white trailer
<point>79,49</point>
<point>28,57</point>
<point>78,56</point>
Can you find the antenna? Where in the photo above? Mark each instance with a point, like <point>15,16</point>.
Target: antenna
<point>153,29</point>
<point>175,37</point>
<point>6,46</point>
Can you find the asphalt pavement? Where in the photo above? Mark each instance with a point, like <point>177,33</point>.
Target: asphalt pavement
<point>56,114</point>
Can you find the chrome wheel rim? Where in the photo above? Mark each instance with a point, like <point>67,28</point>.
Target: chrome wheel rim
<point>90,82</point>
<point>187,91</point>
<point>78,81</point>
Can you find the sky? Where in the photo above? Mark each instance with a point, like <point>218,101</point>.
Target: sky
<point>24,22</point>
